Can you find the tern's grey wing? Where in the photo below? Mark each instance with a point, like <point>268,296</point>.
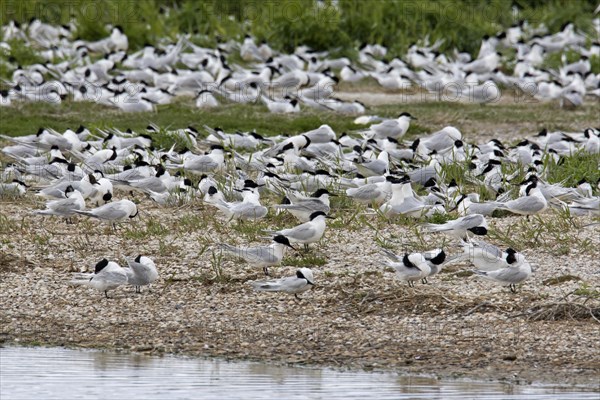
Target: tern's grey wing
<point>467,222</point>
<point>264,255</point>
<point>422,175</point>
<point>115,277</point>
<point>314,204</point>
<point>409,204</point>
<point>289,284</point>
<point>407,273</point>
<point>528,204</point>
<point>376,165</point>
<point>201,164</point>
<point>306,206</point>
<point>132,278</point>
<point>292,284</point>
<point>268,286</point>
<point>154,184</point>
<point>57,191</point>
<point>135,266</point>
<point>493,251</point>
<point>248,210</point>
<point>387,126</point>
<point>254,255</point>
<point>483,208</point>
<point>64,206</point>
<point>111,211</point>
<point>366,192</point>
<point>300,233</point>
<point>509,275</point>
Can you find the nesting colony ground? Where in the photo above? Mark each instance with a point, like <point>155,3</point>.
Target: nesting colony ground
<point>357,316</point>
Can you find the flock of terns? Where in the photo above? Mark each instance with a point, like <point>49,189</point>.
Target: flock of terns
<point>81,173</point>
<point>107,72</point>
<point>235,172</point>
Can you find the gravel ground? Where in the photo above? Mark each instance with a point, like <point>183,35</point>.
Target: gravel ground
<point>357,316</point>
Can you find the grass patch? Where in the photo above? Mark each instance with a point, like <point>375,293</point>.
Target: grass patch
<point>571,169</point>
<point>191,223</point>
<point>152,228</point>
<point>8,225</point>
<point>308,260</point>
<point>26,118</point>
<point>559,234</point>
<point>585,290</point>
<point>335,26</point>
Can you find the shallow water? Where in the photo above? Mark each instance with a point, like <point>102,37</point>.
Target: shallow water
<point>58,373</point>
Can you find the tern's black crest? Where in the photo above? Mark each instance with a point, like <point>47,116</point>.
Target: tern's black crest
<point>530,187</point>
<point>430,182</point>
<point>543,132</point>
<point>256,136</point>
<point>499,153</point>
<point>57,160</point>
<point>511,258</point>
<point>249,183</point>
<point>405,179</point>
<point>285,200</point>
<point>319,193</point>
<point>487,169</point>
<point>440,258</point>
<point>288,146</point>
<point>300,275</point>
<point>307,141</point>
<point>138,258</point>
<point>407,263</point>
<point>101,265</point>
<point>317,214</point>
<point>479,230</point>
<point>160,171</point>
<point>282,239</point>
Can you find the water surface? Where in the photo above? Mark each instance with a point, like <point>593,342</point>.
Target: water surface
<point>57,373</point>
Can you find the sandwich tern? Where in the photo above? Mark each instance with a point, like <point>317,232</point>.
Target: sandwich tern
<point>409,268</point>
<point>460,227</point>
<point>299,283</point>
<point>106,276</point>
<point>141,272</point>
<point>71,204</point>
<point>308,232</point>
<point>515,273</point>
<point>117,211</point>
<point>261,256</point>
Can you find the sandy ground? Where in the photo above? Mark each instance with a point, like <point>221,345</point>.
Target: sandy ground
<point>358,315</point>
